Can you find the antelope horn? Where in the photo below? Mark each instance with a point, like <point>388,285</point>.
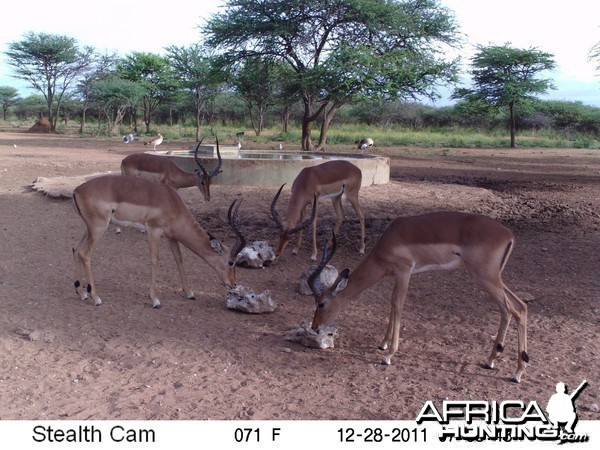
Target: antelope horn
<point>240,240</point>
<point>274,213</point>
<point>308,221</point>
<point>217,170</point>
<point>198,163</point>
<point>314,279</point>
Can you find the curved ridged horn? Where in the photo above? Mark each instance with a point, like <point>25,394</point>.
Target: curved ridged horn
<point>308,221</point>
<point>198,163</point>
<point>203,171</point>
<point>314,279</point>
<point>240,240</point>
<point>217,170</point>
<point>274,213</point>
<point>278,221</point>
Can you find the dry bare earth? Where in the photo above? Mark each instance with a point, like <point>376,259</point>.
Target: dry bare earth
<point>198,360</point>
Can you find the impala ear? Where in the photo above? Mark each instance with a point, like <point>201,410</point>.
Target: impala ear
<point>341,282</point>
<point>216,246</point>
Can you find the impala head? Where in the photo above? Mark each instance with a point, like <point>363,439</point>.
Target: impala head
<point>328,305</point>
<point>285,233</point>
<point>228,257</point>
<point>204,177</point>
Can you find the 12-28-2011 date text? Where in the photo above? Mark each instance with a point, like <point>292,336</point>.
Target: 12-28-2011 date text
<point>366,435</point>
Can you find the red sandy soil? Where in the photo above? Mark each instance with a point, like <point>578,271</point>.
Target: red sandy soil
<point>199,360</point>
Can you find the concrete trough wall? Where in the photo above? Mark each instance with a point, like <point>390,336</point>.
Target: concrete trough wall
<point>248,171</point>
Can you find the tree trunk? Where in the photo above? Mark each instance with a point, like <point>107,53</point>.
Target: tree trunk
<point>285,119</point>
<point>511,108</point>
<point>327,118</point>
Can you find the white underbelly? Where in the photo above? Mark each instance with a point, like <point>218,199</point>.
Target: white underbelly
<point>128,224</point>
<point>449,265</point>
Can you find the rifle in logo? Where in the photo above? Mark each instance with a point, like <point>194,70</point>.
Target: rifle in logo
<point>561,407</point>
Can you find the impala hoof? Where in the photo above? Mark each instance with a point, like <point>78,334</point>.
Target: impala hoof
<point>487,366</point>
<point>159,306</point>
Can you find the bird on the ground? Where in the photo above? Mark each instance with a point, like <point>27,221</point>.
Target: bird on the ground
<point>129,138</point>
<point>155,142</point>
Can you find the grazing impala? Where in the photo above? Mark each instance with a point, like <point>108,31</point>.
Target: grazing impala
<point>157,208</point>
<point>160,168</point>
<point>328,180</point>
<point>434,241</point>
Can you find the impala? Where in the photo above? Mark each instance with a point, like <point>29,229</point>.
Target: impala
<point>434,241</point>
<point>328,180</point>
<point>156,208</point>
<point>164,170</point>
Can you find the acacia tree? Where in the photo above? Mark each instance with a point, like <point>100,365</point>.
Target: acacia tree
<point>256,82</point>
<point>114,96</point>
<point>506,77</point>
<point>50,63</point>
<point>194,70</point>
<point>9,96</point>
<point>341,49</point>
<point>594,55</point>
<point>102,67</point>
<point>154,73</point>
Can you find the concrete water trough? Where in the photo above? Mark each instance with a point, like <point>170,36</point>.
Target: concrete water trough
<point>273,168</point>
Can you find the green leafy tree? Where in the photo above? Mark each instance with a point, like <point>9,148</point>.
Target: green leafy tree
<point>594,55</point>
<point>9,96</point>
<point>342,49</point>
<point>114,96</point>
<point>154,74</point>
<point>256,82</point>
<point>194,70</point>
<point>507,77</point>
<point>102,67</point>
<point>50,63</point>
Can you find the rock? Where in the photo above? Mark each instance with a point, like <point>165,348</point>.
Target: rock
<point>36,335</point>
<point>525,296</point>
<point>244,299</point>
<point>257,255</point>
<point>308,337</point>
<point>328,276</point>
<point>41,335</point>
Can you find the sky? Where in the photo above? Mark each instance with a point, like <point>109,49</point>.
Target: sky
<point>568,30</point>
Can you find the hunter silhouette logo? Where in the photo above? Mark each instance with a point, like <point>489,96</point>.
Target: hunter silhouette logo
<point>561,407</point>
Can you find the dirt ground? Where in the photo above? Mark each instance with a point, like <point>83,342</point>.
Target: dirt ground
<point>199,360</point>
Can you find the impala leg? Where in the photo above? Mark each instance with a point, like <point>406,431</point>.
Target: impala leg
<point>154,238</point>
<point>393,331</point>
<point>361,217</point>
<point>174,246</point>
<point>313,255</point>
<point>80,279</point>
<point>510,305</point>
<point>82,254</point>
<point>299,239</point>
<point>518,309</point>
<point>339,213</point>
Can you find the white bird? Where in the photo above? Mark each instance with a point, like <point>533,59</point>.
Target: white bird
<point>280,147</point>
<point>155,142</point>
<point>239,145</point>
<point>363,144</point>
<point>128,138</point>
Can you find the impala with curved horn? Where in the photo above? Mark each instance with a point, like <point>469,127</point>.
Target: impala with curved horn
<point>434,241</point>
<point>164,170</point>
<point>157,208</point>
<point>328,180</point>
